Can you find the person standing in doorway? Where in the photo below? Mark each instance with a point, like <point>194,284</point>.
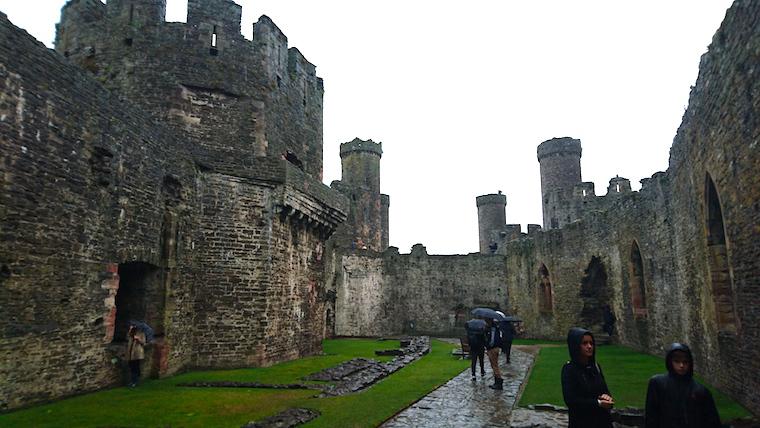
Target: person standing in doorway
<point>492,349</point>
<point>476,338</point>
<point>135,353</point>
<point>675,399</point>
<point>583,387</point>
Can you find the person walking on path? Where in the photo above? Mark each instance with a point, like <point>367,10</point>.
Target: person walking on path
<point>675,399</point>
<point>135,353</point>
<point>476,337</point>
<point>492,349</point>
<point>507,336</point>
<point>583,387</point>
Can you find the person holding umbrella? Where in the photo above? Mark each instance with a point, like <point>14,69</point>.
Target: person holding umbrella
<point>476,337</point>
<point>492,349</point>
<point>135,351</point>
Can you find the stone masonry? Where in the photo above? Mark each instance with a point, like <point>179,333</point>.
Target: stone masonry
<point>168,172</point>
<point>678,260</point>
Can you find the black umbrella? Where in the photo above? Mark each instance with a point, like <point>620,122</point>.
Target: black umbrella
<point>488,313</point>
<point>512,318</point>
<point>142,325</point>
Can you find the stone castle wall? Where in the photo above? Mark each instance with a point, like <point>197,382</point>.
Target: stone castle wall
<point>390,293</point>
<point>228,96</point>
<point>676,261</point>
<point>108,214</point>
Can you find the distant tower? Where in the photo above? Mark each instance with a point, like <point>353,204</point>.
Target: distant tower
<point>560,160</point>
<point>491,220</point>
<point>367,224</point>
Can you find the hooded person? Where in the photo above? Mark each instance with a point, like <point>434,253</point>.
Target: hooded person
<point>675,399</point>
<point>583,387</point>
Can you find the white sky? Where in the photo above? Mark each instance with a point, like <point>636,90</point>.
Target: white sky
<point>461,93</point>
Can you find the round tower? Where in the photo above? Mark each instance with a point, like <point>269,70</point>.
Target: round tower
<point>492,219</point>
<point>560,163</point>
<point>360,162</point>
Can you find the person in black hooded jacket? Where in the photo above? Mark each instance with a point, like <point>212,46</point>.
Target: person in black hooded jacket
<point>583,387</point>
<point>675,399</point>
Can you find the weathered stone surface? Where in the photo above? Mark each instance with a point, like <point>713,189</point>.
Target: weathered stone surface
<point>359,373</point>
<point>678,260</point>
<point>287,419</point>
<point>144,177</point>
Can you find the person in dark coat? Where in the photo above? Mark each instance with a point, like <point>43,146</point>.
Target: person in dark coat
<point>583,387</point>
<point>476,337</point>
<point>675,399</point>
<point>507,336</point>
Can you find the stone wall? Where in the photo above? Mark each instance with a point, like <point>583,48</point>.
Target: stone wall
<point>390,293</point>
<point>227,96</point>
<point>109,213</point>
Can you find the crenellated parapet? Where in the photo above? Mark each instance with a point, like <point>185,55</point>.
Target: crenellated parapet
<point>228,96</point>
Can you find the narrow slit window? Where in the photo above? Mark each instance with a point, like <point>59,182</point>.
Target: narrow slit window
<point>131,13</point>
<point>213,38</point>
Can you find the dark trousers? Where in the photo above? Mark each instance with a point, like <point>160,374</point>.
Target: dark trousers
<point>507,348</point>
<point>134,371</point>
<point>477,352</point>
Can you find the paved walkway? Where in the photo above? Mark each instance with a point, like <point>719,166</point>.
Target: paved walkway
<point>463,402</point>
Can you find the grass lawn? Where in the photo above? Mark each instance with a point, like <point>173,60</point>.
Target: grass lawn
<point>627,374</point>
<point>162,403</point>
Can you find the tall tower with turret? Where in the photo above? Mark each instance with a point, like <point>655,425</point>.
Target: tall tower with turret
<point>367,224</point>
<point>560,162</point>
<point>491,220</point>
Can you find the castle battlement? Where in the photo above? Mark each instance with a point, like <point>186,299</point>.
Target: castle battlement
<point>229,97</point>
<point>559,146</point>
<point>359,145</point>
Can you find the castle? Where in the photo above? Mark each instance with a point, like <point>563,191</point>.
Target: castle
<point>172,172</point>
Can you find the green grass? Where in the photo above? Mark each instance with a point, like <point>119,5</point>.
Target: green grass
<point>627,374</point>
<point>162,403</point>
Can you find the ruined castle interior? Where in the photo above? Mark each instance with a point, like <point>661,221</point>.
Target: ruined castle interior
<point>172,172</point>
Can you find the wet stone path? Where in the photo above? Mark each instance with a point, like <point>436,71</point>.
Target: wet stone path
<point>464,402</point>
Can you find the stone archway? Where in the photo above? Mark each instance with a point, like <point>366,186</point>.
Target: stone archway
<point>595,295</point>
<point>718,260</point>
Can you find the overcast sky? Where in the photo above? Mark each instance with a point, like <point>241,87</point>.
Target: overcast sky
<point>461,92</point>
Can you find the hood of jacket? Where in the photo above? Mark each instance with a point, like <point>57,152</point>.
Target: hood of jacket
<point>574,338</point>
<point>669,358</point>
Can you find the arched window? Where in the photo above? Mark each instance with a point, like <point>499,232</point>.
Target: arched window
<point>638,296</point>
<point>717,260</point>
<point>545,290</point>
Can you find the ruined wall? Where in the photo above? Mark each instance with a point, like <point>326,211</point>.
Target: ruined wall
<point>228,96</point>
<point>717,142</point>
<point>83,189</point>
<point>108,215</point>
<point>392,293</point>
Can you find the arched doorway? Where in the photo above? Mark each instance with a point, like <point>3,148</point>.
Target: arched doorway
<point>595,295</point>
<point>718,261</point>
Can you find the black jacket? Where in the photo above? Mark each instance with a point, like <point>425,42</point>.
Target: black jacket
<point>675,401</point>
<point>507,331</point>
<point>582,385</point>
<point>476,333</point>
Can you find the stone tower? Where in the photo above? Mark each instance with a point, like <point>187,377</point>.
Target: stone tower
<point>560,162</point>
<point>367,224</point>
<point>491,220</point>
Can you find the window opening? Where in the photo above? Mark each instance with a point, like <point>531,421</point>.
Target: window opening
<point>718,262</point>
<point>545,303</point>
<point>638,295</point>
